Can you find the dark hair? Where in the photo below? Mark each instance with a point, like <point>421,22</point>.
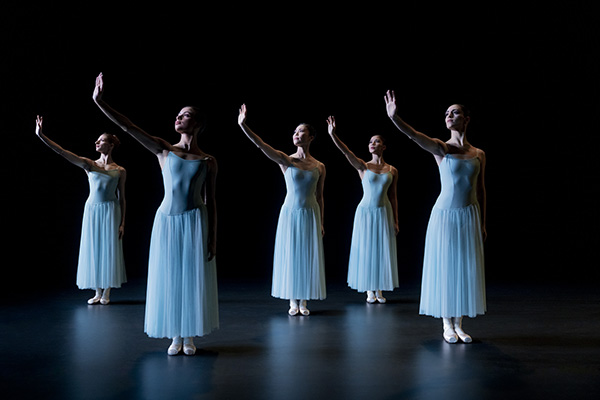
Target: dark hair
<point>466,112</point>
<point>311,129</point>
<point>199,117</point>
<point>383,138</point>
<point>113,139</point>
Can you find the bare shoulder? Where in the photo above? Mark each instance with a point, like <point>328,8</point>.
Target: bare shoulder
<point>321,167</point>
<point>211,161</point>
<point>480,154</point>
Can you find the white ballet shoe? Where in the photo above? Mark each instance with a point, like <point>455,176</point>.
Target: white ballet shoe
<point>380,297</point>
<point>105,297</point>
<point>175,347</point>
<point>449,333</point>
<point>303,308</point>
<point>293,308</point>
<point>370,297</point>
<point>457,321</point>
<point>189,349</point>
<point>96,298</point>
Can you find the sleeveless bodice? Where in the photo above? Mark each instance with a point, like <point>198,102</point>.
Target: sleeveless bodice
<point>183,181</point>
<point>375,188</point>
<point>301,187</point>
<point>459,182</point>
<point>103,186</point>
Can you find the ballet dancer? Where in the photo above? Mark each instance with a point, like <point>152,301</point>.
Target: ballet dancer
<point>298,261</point>
<point>181,299</point>
<point>373,265</point>
<point>101,265</point>
<point>453,283</point>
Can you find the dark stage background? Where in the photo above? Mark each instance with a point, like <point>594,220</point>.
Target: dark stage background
<point>529,75</point>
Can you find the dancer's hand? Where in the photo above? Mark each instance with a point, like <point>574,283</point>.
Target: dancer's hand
<point>38,125</point>
<point>331,124</point>
<point>390,103</point>
<point>99,89</point>
<point>242,116</point>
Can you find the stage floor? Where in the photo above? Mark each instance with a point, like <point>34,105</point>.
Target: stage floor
<point>538,342</point>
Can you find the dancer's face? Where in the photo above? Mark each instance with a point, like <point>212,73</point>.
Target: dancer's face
<point>376,145</point>
<point>103,145</point>
<point>302,136</point>
<point>455,118</point>
<point>184,122</point>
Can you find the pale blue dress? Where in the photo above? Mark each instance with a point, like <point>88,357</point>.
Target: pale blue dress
<point>101,263</point>
<point>181,298</point>
<point>373,263</point>
<point>298,261</point>
<point>453,282</point>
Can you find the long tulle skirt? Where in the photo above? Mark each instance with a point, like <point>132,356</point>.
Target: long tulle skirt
<point>373,261</point>
<point>101,263</point>
<point>453,282</point>
<point>182,298</point>
<point>298,261</point>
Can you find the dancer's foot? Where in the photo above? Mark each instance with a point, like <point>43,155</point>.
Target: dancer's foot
<point>96,298</point>
<point>380,297</point>
<point>105,297</point>
<point>175,346</point>
<point>370,297</point>
<point>293,308</point>
<point>303,308</point>
<point>449,333</point>
<point>188,346</point>
<point>457,322</point>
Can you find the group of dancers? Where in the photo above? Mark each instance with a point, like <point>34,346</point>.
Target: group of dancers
<point>181,296</point>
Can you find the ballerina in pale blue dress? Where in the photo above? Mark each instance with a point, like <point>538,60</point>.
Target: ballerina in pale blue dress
<point>373,264</point>
<point>453,282</point>
<point>181,299</point>
<point>101,265</point>
<point>298,261</point>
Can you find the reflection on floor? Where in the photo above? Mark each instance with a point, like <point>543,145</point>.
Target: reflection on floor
<point>541,343</point>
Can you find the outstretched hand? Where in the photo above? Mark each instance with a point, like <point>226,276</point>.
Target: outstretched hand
<point>99,89</point>
<point>38,125</point>
<point>242,116</point>
<point>390,103</point>
<point>331,124</point>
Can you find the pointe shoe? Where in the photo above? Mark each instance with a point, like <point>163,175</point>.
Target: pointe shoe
<point>105,296</point>
<point>450,336</point>
<point>303,308</point>
<point>94,300</point>
<point>189,349</point>
<point>175,347</point>
<point>293,308</point>
<point>370,297</point>
<point>380,297</point>
<point>459,331</point>
<point>449,333</point>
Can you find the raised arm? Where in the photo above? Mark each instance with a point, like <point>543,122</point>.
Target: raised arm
<point>73,158</point>
<point>154,144</point>
<point>275,155</point>
<point>434,146</point>
<point>356,162</point>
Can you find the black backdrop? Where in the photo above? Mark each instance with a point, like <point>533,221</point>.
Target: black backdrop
<point>530,77</point>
